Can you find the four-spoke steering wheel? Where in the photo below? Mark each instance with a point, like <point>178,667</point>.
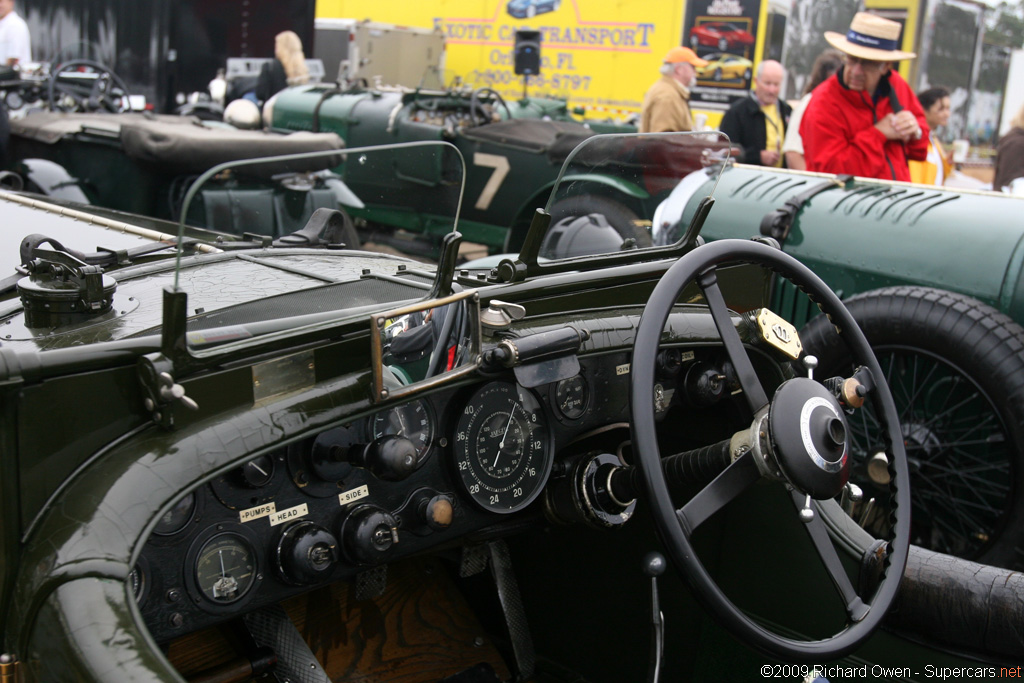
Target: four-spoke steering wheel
<point>84,85</point>
<point>800,441</point>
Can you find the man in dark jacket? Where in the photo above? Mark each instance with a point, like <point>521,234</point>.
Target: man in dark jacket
<point>758,123</point>
<point>865,120</point>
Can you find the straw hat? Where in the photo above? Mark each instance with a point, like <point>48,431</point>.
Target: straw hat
<point>870,37</point>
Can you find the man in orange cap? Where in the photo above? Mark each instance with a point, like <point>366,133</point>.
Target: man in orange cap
<point>667,103</point>
<point>865,120</point>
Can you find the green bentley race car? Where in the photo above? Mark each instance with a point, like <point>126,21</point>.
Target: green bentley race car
<point>250,460</point>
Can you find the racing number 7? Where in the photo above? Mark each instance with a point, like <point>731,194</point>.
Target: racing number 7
<point>500,166</point>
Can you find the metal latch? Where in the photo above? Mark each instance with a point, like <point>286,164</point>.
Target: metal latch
<point>500,314</point>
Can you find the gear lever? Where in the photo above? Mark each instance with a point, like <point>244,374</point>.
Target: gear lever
<point>654,566</point>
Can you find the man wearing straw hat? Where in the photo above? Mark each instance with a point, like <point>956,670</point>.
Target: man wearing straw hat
<point>865,120</point>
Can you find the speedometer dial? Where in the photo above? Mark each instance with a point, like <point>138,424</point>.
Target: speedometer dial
<point>502,447</point>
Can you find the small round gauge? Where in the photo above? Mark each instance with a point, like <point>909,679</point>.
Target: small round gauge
<point>502,447</point>
<point>413,420</point>
<point>178,517</point>
<point>572,397</point>
<point>138,580</point>
<point>258,471</point>
<point>225,568</point>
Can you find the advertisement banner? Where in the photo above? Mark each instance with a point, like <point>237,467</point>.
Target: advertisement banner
<point>601,55</point>
<point>723,32</point>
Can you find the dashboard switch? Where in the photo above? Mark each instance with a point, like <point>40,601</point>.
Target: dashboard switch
<point>368,534</point>
<point>306,553</point>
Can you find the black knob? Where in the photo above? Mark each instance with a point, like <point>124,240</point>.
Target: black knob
<point>368,533</point>
<point>306,553</point>
<point>391,458</point>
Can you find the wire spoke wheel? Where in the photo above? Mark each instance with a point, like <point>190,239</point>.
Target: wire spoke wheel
<point>957,448</point>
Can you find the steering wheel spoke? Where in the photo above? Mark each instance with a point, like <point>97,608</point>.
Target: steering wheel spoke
<point>752,389</point>
<point>856,609</point>
<point>734,480</point>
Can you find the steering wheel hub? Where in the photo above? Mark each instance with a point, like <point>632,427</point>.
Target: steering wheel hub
<point>810,438</point>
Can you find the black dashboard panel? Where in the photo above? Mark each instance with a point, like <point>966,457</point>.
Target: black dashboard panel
<point>375,489</point>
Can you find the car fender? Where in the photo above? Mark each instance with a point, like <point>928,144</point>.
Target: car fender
<point>53,180</point>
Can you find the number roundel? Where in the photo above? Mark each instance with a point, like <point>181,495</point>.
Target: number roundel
<point>502,451</point>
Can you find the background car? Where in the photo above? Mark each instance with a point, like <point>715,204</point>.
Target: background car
<point>242,487</point>
<point>527,9</point>
<point>143,165</point>
<point>721,67</point>
<point>720,34</point>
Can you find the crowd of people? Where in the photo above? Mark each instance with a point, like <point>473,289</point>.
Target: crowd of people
<point>857,115</point>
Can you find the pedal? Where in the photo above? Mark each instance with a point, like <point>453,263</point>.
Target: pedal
<point>513,610</point>
<point>474,560</point>
<point>296,663</point>
<point>371,583</point>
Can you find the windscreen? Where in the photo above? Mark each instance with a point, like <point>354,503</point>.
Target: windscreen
<point>630,191</point>
<point>313,201</point>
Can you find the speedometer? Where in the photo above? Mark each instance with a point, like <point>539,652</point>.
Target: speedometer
<point>502,447</point>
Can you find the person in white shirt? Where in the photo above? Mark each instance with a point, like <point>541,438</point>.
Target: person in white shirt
<point>15,44</point>
<point>827,63</point>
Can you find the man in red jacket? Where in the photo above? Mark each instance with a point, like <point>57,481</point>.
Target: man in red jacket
<point>865,120</point>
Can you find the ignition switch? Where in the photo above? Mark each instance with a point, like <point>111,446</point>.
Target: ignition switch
<point>368,533</point>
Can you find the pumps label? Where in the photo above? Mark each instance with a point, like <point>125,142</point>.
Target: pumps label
<point>257,512</point>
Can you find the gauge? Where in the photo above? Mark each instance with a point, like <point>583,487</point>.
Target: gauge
<point>502,447</point>
<point>138,581</point>
<point>225,568</point>
<point>412,420</point>
<point>178,517</point>
<point>572,397</point>
<point>258,471</point>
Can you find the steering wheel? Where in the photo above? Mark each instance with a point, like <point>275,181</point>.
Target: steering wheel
<point>800,441</point>
<point>475,106</point>
<point>105,92</point>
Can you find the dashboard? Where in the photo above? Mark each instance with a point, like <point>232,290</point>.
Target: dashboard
<point>457,465</point>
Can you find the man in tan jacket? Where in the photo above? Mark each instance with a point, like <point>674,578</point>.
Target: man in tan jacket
<point>667,103</point>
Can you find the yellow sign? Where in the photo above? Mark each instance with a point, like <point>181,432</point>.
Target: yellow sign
<point>599,54</point>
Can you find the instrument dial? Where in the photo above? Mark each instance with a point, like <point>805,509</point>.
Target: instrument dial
<point>502,448</point>
<point>178,517</point>
<point>413,420</point>
<point>225,568</point>
<point>572,397</point>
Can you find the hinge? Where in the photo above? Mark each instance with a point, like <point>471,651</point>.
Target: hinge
<point>160,392</point>
<point>9,667</point>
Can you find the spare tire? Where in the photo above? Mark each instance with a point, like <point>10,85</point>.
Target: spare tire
<point>620,217</point>
<point>956,369</point>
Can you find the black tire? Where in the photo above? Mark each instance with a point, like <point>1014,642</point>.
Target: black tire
<point>956,370</point>
<point>747,75</point>
<point>694,42</point>
<point>620,217</point>
<point>718,74</point>
<point>723,44</point>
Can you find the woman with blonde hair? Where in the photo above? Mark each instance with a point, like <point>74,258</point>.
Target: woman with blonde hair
<point>1010,153</point>
<point>288,67</point>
